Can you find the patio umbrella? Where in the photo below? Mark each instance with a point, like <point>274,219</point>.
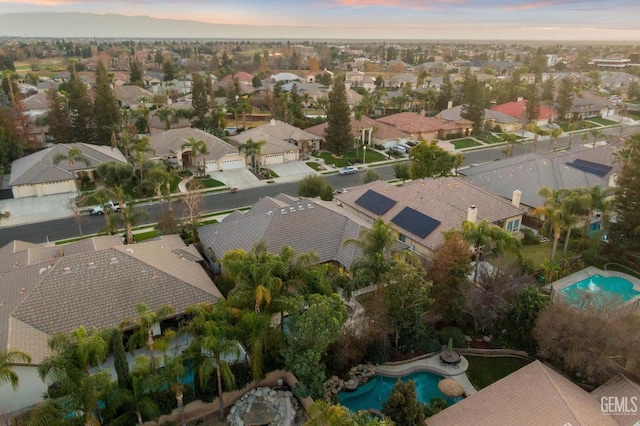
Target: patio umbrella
<point>450,387</point>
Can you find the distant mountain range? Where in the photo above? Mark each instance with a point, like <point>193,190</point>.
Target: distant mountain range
<point>89,25</point>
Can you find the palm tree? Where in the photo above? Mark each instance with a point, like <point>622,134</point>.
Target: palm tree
<point>573,204</point>
<point>72,354</point>
<point>511,140</point>
<point>595,134</point>
<point>555,134</point>
<point>73,156</point>
<point>7,359</point>
<point>375,259</point>
<point>143,327</point>
<point>485,236</point>
<point>252,149</point>
<point>597,198</point>
<point>197,147</point>
<point>140,148</point>
<point>553,213</point>
<point>130,217</point>
<point>537,132</point>
<point>167,116</point>
<point>571,127</point>
<point>218,345</point>
<point>135,404</point>
<point>158,178</point>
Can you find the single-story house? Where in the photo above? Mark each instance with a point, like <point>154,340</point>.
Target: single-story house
<point>581,167</point>
<point>518,109</point>
<point>170,145</point>
<point>419,127</point>
<point>282,142</point>
<point>132,96</point>
<point>176,119</point>
<point>533,395</point>
<point>369,132</point>
<point>492,119</point>
<point>35,175</point>
<point>304,224</point>
<point>96,282</point>
<point>422,209</point>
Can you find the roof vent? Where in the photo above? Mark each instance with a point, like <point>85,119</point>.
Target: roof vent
<point>91,265</point>
<point>309,206</point>
<point>283,211</point>
<point>113,261</point>
<point>66,270</point>
<point>130,250</point>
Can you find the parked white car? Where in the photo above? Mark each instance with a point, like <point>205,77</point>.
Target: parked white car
<point>348,170</point>
<point>399,149</point>
<point>110,206</point>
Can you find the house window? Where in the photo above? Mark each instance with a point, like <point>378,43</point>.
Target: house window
<point>402,238</point>
<point>513,225</point>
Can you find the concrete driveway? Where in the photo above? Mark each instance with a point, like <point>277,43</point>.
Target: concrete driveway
<point>239,178</point>
<point>36,209</point>
<point>292,168</point>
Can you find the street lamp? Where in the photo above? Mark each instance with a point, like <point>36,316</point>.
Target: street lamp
<point>364,155</point>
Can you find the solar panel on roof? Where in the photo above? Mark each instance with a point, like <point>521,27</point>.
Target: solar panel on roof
<point>415,222</point>
<point>597,169</point>
<point>376,203</point>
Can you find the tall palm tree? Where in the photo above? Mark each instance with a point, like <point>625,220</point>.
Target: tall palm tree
<point>197,147</point>
<point>143,328</point>
<point>167,116</point>
<point>537,132</point>
<point>141,147</point>
<point>130,217</point>
<point>252,149</point>
<point>595,134</point>
<point>555,134</point>
<point>7,359</point>
<point>218,345</point>
<point>135,405</point>
<point>573,203</point>
<point>511,140</point>
<point>73,156</point>
<point>72,354</point>
<point>571,127</point>
<point>484,237</point>
<point>553,213</point>
<point>596,198</point>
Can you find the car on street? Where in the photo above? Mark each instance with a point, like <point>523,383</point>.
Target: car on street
<point>348,170</point>
<point>109,205</point>
<point>554,126</point>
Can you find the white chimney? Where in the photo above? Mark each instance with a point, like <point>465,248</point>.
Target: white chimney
<point>272,122</point>
<point>449,104</point>
<point>613,180</point>
<point>472,214</point>
<point>515,198</point>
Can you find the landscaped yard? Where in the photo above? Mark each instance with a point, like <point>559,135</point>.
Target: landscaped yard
<point>603,121</point>
<point>465,143</point>
<point>314,165</point>
<point>580,125</point>
<point>371,157</point>
<point>484,371</point>
<point>489,138</point>
<point>208,182</point>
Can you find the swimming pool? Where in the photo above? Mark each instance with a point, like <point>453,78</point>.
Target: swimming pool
<point>377,390</point>
<point>602,287</point>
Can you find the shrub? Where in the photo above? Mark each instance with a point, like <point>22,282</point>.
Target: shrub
<point>452,333</point>
<point>370,176</point>
<point>530,238</point>
<point>378,352</point>
<point>326,193</point>
<point>314,186</point>
<point>379,147</point>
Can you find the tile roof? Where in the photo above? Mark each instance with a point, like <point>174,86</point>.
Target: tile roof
<point>132,94</point>
<point>382,131</point>
<point>169,142</point>
<point>99,288</point>
<point>517,110</point>
<point>38,167</point>
<point>38,101</point>
<point>305,225</point>
<point>621,387</point>
<point>444,199</point>
<point>279,137</point>
<point>528,173</point>
<point>411,122</point>
<point>531,396</point>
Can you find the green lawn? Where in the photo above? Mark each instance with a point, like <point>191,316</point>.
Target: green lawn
<point>145,235</point>
<point>315,166</point>
<point>603,121</point>
<point>371,157</point>
<point>581,125</point>
<point>484,371</point>
<point>465,143</point>
<point>208,182</point>
<point>489,138</point>
<point>633,114</point>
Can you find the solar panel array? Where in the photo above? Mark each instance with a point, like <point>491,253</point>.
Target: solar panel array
<point>376,203</point>
<point>415,222</point>
<point>597,169</point>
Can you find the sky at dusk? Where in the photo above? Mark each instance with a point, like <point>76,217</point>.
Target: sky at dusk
<point>405,19</point>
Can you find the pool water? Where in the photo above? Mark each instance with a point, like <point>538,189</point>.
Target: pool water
<point>597,285</point>
<point>377,390</point>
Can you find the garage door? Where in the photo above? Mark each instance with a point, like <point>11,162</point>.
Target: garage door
<point>231,164</point>
<point>212,166</point>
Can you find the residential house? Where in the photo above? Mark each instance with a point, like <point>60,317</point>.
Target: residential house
<point>421,210</point>
<point>36,108</point>
<point>492,120</point>
<point>589,105</point>
<point>621,388</point>
<point>171,146</point>
<point>244,79</point>
<point>132,96</point>
<point>401,80</point>
<point>304,225</point>
<point>282,142</point>
<point>418,127</point>
<point>518,110</point>
<point>176,120</point>
<point>285,77</point>
<point>612,62</point>
<point>367,131</point>
<point>433,68</point>
<point>35,175</point>
<point>579,168</point>
<point>96,282</point>
<point>533,395</point>
<point>617,81</point>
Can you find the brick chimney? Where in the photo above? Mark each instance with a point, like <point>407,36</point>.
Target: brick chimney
<point>515,198</point>
<point>472,214</point>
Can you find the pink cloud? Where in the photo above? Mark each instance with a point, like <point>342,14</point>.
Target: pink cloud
<point>411,4</point>
<point>530,6</point>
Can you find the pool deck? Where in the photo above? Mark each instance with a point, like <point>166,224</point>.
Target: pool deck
<point>589,271</point>
<point>432,364</point>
